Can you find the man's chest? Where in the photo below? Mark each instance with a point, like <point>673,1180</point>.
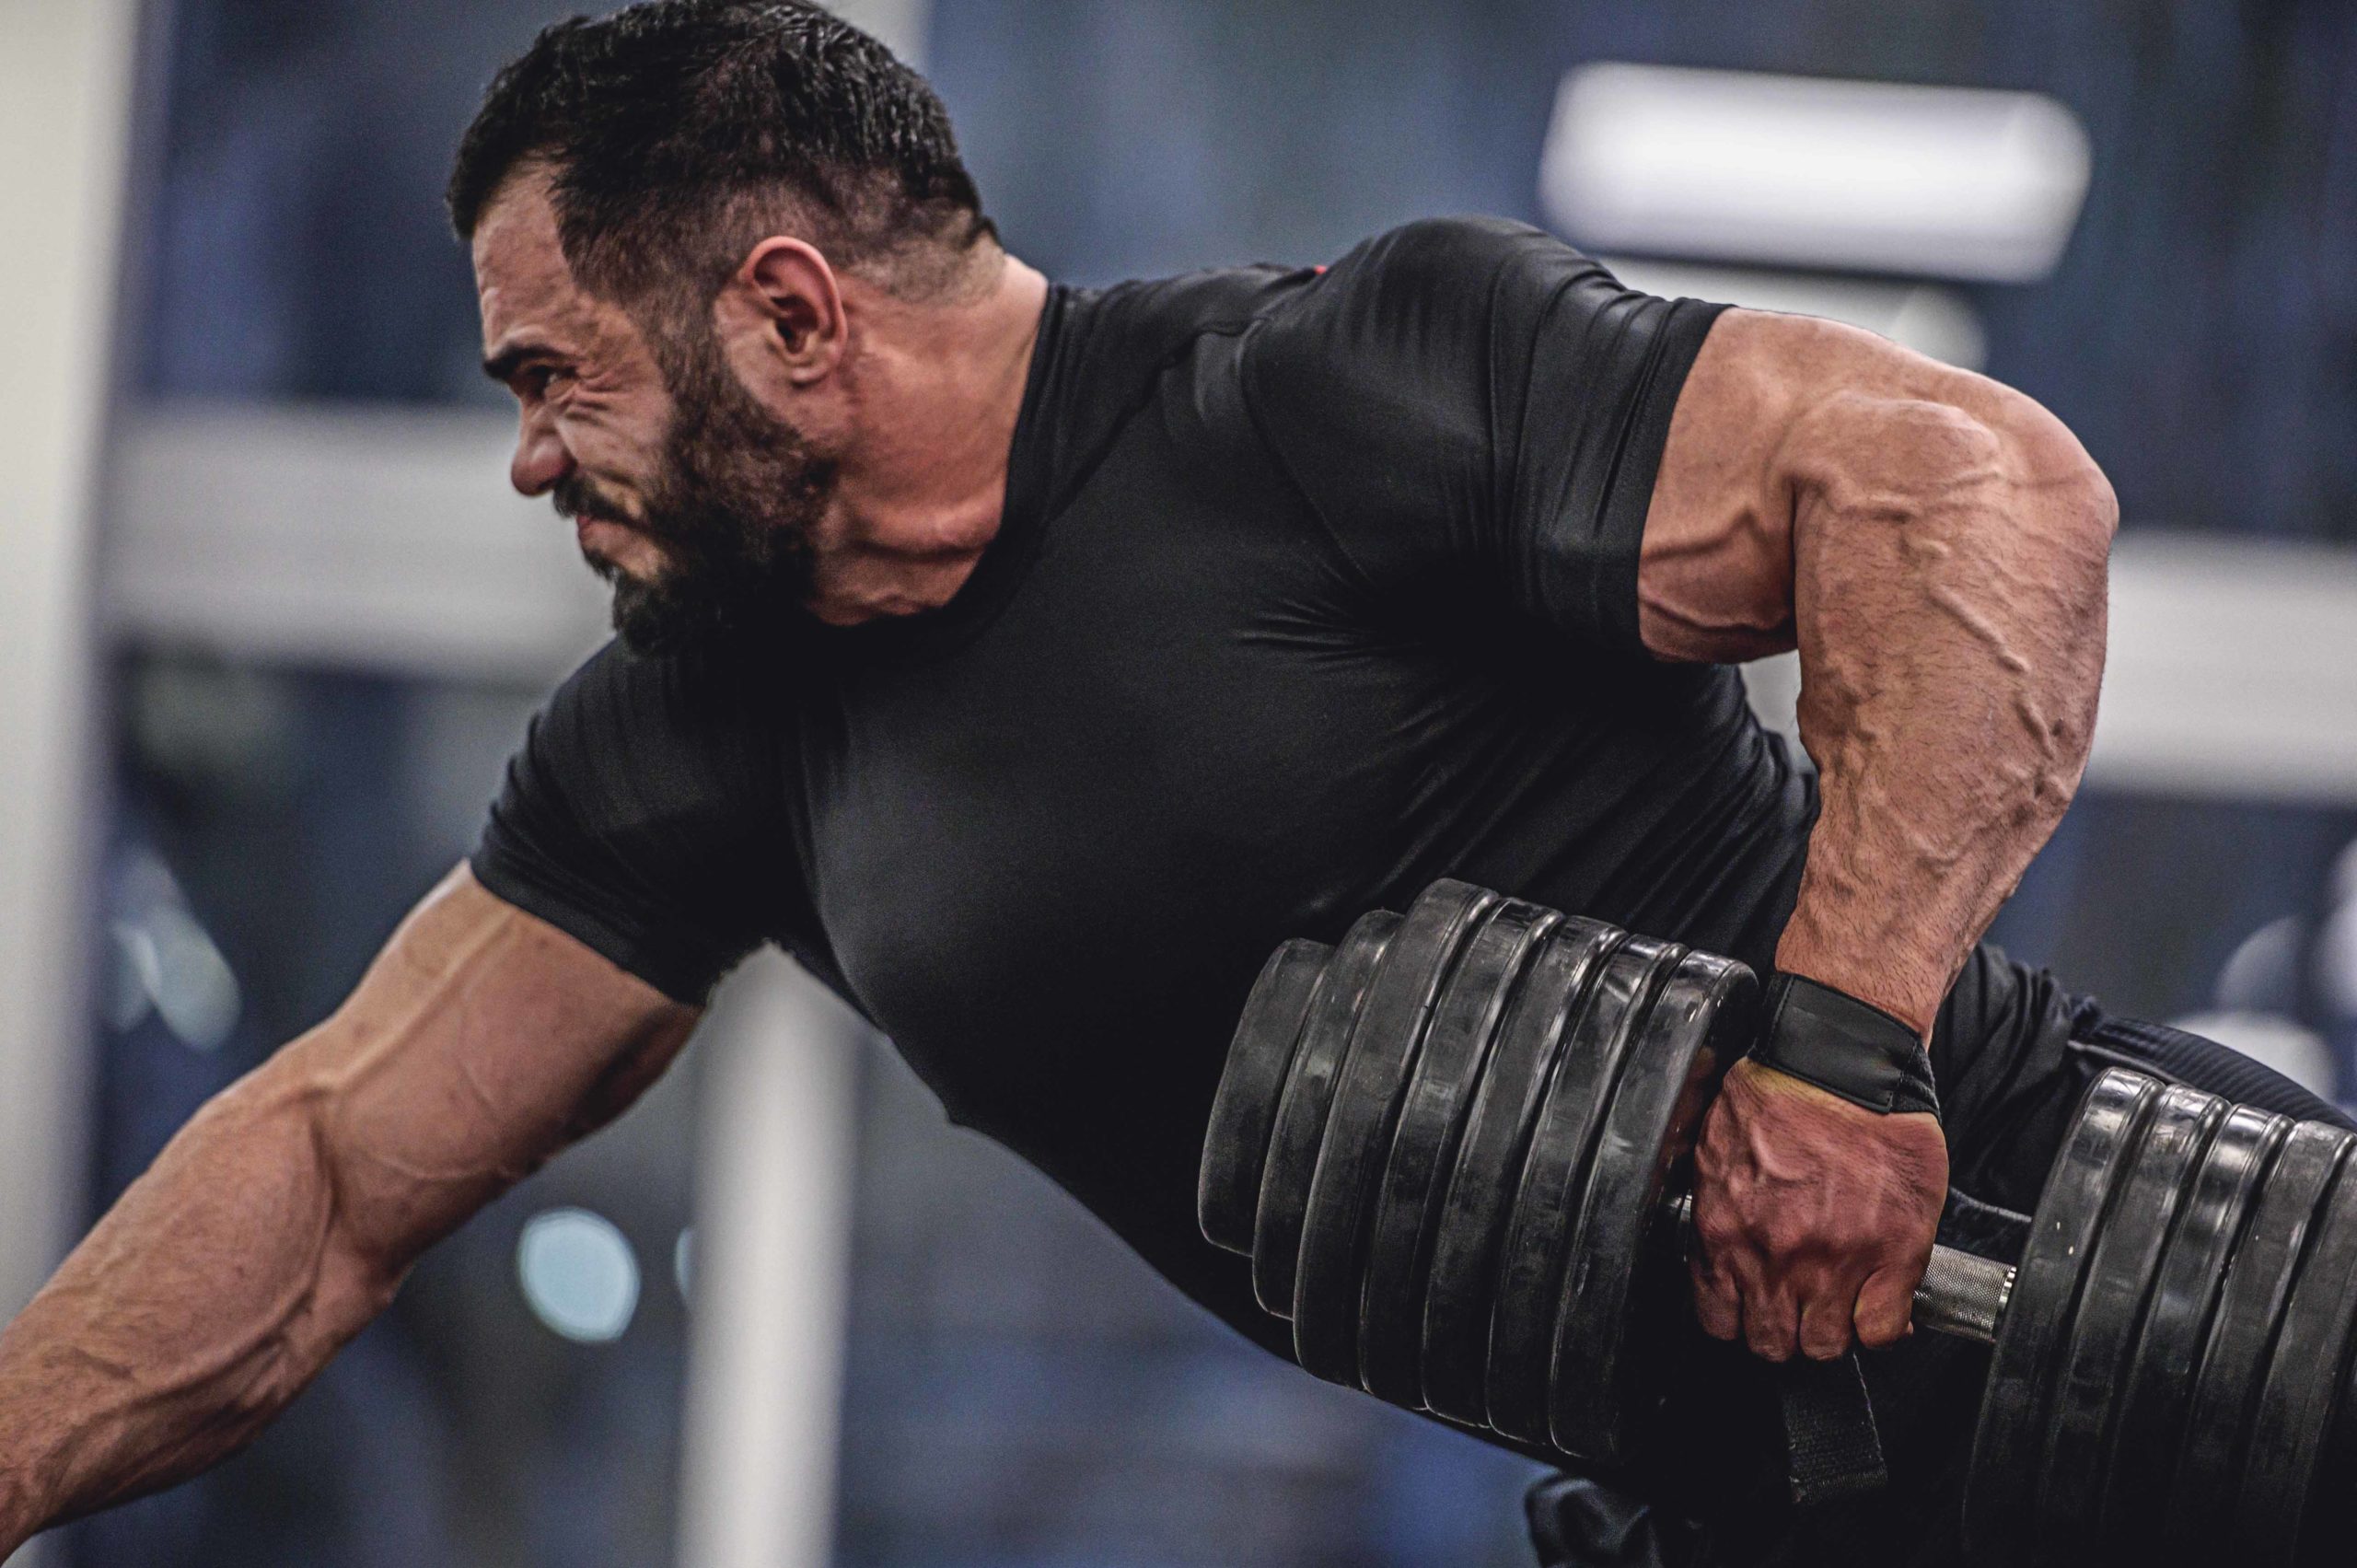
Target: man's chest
<point>1193,731</point>
<point>1159,736</point>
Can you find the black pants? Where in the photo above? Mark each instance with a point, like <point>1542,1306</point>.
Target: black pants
<point>2013,1053</point>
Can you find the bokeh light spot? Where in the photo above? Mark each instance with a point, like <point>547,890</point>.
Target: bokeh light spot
<point>578,1273</point>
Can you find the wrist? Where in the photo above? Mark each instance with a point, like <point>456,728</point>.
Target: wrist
<point>1883,971</point>
<point>1845,1046</point>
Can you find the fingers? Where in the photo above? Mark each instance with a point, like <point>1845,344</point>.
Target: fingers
<point>1887,1303</point>
<point>1718,1305</point>
<point>1717,1236</point>
<point>1771,1321</point>
<point>1812,1218</point>
<point>1832,1306</point>
<point>1735,1293</point>
<point>1782,1306</point>
<point>1726,1269</point>
<point>1825,1319</point>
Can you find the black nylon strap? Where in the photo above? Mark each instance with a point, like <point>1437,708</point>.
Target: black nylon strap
<point>1832,1448</point>
<point>1844,1047</point>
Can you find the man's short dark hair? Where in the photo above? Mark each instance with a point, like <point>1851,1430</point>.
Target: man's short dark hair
<point>678,133</point>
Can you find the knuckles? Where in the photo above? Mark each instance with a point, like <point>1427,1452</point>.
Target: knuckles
<point>1808,1214</point>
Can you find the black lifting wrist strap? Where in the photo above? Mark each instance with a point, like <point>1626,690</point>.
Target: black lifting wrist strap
<point>1832,1039</point>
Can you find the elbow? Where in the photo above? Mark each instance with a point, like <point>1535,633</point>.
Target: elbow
<point>2102,501</point>
<point>1968,455</point>
<point>2056,480</point>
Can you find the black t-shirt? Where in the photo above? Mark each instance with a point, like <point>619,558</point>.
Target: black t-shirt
<point>1313,586</point>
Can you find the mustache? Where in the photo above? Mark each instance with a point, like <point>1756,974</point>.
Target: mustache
<point>576,495</point>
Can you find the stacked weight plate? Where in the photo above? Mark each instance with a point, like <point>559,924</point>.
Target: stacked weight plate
<point>2170,1382</point>
<point>1444,1143</point>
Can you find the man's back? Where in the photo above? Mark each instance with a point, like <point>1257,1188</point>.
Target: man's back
<point>1285,619</point>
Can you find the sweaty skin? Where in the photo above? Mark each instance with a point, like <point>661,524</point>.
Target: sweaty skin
<point>282,1217</point>
<point>1935,545</point>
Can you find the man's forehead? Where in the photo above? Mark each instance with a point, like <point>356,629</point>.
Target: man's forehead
<point>517,223</point>
<point>521,277</point>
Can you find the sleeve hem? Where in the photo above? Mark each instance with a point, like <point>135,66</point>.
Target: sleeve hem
<point>1671,358</point>
<point>682,979</point>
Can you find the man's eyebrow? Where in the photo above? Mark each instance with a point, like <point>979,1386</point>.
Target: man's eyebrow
<point>502,367</point>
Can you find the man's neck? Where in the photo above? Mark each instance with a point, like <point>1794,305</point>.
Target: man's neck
<point>939,388</point>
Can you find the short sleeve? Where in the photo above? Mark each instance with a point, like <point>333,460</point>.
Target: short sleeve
<point>1478,389</point>
<point>640,817</point>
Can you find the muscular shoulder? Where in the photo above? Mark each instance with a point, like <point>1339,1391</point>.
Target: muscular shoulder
<point>1155,320</point>
<point>629,738</point>
<point>1473,392</point>
<point>1111,349</point>
<point>1414,307</point>
<point>685,701</point>
<point>1422,288</point>
<point>1444,255</point>
<point>642,815</point>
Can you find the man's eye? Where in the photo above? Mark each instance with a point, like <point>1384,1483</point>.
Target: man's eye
<point>536,381</point>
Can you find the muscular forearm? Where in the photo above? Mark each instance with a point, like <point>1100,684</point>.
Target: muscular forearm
<point>282,1218</point>
<point>199,1307</point>
<point>1934,545</point>
<point>1948,561</point>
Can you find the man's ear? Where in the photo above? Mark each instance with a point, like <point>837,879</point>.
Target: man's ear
<point>785,305</point>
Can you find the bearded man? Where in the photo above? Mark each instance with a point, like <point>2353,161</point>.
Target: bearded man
<point>1030,660</point>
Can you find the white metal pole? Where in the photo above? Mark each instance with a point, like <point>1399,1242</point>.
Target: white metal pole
<point>67,68</point>
<point>770,1273</point>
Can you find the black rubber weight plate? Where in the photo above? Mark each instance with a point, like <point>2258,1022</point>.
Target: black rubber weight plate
<point>2008,1445</point>
<point>1538,1235</point>
<point>1461,1285</point>
<point>2331,1522</point>
<point>2258,1282</point>
<point>1384,1043</point>
<point>1423,1146</point>
<point>1604,1369</point>
<point>2159,1385</point>
<point>2112,1297</point>
<point>2295,1401</point>
<point>1300,1123</point>
<point>1244,1111</point>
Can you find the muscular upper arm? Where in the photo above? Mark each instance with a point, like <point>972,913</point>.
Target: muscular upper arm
<point>1781,410</point>
<point>481,1041</point>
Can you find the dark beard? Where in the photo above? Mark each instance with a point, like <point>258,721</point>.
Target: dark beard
<point>733,505</point>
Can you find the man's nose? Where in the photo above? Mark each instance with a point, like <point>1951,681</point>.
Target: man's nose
<point>541,458</point>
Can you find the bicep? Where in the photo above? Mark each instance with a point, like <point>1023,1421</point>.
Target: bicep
<point>1774,407</point>
<point>481,1041</point>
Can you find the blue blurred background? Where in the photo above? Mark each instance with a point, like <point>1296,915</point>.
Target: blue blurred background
<point>300,721</point>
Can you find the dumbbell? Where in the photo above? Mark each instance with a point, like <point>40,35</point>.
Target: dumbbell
<point>1456,1145</point>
